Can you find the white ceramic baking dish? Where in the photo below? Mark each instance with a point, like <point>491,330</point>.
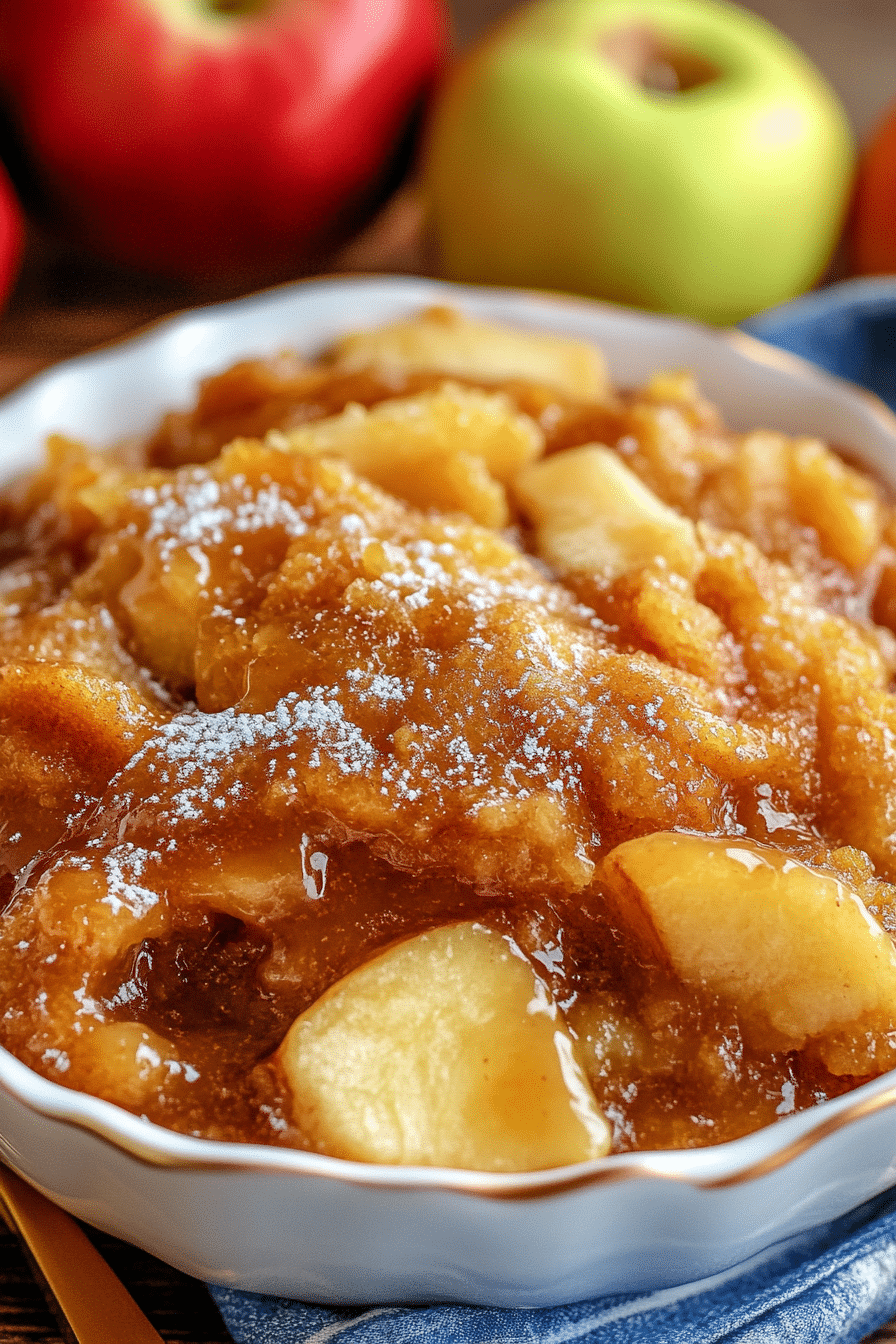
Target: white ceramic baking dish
<point>325,1230</point>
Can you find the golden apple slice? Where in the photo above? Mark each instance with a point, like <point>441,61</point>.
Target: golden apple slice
<point>841,504</point>
<point>443,1051</point>
<point>792,948</point>
<point>440,340</point>
<point>591,512</point>
<point>162,602</point>
<point>450,450</point>
<point>127,1062</point>
<point>65,730</point>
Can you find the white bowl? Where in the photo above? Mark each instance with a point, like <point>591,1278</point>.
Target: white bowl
<point>326,1230</point>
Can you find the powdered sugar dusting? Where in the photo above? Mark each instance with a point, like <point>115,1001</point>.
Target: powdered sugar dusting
<point>199,513</point>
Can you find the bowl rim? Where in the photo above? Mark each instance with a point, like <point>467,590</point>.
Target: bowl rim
<point>735,1162</point>
<point>153,1146</point>
<point>761,351</point>
<point>754,347</point>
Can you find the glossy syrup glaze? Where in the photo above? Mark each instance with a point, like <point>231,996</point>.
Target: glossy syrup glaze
<point>265,714</point>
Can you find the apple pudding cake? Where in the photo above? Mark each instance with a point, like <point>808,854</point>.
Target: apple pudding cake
<point>433,754</point>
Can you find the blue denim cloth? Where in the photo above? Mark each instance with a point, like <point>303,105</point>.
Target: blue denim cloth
<point>833,1287</point>
<point>849,329</point>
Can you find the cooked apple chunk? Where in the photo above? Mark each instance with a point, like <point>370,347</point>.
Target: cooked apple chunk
<point>440,340</point>
<point>450,450</point>
<point>65,730</point>
<point>592,513</point>
<point>443,1051</point>
<point>127,1062</point>
<point>841,504</point>
<point>793,949</point>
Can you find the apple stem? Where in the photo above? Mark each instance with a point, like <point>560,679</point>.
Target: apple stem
<point>655,63</point>
<point>231,8</point>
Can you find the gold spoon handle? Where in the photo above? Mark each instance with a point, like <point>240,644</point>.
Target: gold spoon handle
<point>95,1305</point>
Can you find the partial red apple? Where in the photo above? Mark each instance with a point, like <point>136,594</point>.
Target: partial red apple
<point>873,234</point>
<point>11,236</point>
<point>210,140</point>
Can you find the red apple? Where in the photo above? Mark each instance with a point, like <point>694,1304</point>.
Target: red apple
<point>216,140</point>
<point>11,235</point>
<point>874,209</point>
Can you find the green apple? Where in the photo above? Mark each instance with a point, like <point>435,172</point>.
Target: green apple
<point>679,155</point>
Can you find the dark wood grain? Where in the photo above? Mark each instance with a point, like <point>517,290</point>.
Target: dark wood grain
<point>23,1312</point>
<point>179,1307</point>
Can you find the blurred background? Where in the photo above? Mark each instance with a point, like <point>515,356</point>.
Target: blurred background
<point>68,296</point>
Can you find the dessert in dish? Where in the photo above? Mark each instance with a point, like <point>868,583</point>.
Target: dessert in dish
<point>434,755</point>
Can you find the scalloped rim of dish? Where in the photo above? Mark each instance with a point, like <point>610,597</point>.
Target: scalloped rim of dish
<point>713,1167</point>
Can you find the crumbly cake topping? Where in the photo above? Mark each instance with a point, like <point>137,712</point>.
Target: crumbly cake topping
<point>268,710</point>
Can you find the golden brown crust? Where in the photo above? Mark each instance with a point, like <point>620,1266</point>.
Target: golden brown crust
<point>266,708</point>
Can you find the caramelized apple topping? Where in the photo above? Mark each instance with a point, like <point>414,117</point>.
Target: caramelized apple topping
<point>432,754</point>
